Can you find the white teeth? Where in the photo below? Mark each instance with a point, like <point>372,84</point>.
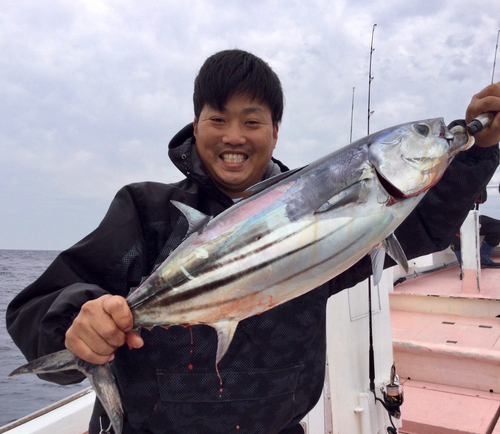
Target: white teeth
<point>233,158</point>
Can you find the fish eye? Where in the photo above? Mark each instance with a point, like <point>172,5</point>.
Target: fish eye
<point>422,129</point>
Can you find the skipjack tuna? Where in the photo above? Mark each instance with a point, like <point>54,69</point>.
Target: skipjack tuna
<point>295,232</point>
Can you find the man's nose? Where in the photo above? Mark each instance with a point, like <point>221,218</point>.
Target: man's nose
<point>234,134</point>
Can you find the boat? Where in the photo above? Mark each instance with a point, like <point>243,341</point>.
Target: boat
<point>434,353</point>
<point>70,415</point>
<point>446,341</point>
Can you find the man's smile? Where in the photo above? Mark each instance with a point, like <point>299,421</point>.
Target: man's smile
<point>233,158</point>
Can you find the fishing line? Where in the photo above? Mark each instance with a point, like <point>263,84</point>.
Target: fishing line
<point>104,430</point>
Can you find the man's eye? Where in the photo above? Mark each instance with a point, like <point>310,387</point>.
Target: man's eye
<point>217,120</point>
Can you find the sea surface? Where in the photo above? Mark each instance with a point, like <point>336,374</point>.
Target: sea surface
<point>24,394</point>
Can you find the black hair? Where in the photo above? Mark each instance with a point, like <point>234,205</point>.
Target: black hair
<point>237,72</point>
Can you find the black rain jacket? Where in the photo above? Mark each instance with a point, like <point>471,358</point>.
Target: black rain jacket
<point>273,372</point>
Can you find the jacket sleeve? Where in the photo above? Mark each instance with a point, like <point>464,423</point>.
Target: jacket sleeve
<point>437,218</point>
<point>109,260</point>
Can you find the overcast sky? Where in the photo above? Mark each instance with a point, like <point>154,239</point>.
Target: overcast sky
<point>91,92</point>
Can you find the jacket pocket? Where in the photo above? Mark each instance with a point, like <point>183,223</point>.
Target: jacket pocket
<point>253,401</point>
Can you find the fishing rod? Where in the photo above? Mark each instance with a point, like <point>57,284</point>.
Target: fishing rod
<point>393,397</point>
<point>370,79</point>
<point>352,114</point>
<point>483,120</point>
<point>416,274</point>
<point>370,322</point>
<point>495,59</point>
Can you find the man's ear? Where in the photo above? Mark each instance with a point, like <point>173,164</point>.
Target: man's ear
<point>275,133</point>
<point>195,126</point>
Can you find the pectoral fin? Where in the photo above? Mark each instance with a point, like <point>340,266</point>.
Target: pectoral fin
<point>394,250</point>
<point>353,194</point>
<point>225,332</point>
<point>378,258</point>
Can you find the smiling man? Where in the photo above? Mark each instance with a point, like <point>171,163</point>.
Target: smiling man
<point>235,143</point>
<point>274,368</point>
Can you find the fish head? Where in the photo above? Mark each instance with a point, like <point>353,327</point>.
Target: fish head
<point>411,158</point>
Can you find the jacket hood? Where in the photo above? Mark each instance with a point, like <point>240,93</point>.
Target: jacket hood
<point>182,152</point>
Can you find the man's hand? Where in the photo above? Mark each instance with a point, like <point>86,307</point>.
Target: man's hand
<point>100,328</point>
<point>488,100</point>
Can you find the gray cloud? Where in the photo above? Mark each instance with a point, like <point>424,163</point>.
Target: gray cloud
<point>92,91</point>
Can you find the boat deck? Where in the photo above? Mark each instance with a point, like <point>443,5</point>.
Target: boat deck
<point>446,342</point>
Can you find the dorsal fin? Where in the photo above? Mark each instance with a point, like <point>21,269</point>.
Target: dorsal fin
<point>271,181</point>
<point>195,218</point>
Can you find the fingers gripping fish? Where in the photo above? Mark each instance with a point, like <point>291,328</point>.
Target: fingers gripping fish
<point>295,232</point>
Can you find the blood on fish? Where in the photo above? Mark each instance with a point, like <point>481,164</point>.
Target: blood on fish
<point>192,342</point>
<point>220,380</point>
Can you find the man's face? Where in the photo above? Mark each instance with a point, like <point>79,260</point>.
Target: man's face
<point>235,144</point>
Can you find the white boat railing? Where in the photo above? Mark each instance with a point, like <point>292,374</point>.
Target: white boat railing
<point>70,415</point>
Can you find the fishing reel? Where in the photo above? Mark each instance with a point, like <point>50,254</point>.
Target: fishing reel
<point>393,395</point>
<point>393,398</point>
<point>391,392</point>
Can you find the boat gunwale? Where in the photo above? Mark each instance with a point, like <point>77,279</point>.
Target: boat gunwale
<point>45,410</point>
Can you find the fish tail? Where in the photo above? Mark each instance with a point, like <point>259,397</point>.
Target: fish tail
<point>100,376</point>
<point>55,362</point>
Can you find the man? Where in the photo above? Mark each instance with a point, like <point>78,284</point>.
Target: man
<point>276,360</point>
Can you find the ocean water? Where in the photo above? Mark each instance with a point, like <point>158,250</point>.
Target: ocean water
<point>24,394</point>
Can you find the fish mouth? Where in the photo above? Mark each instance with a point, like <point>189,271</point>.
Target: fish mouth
<point>420,163</point>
